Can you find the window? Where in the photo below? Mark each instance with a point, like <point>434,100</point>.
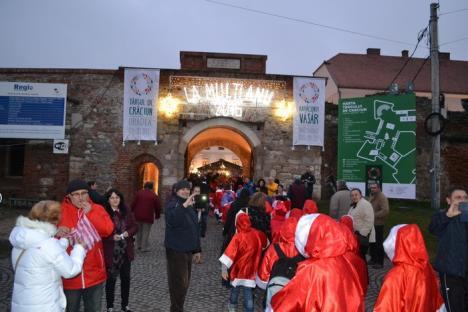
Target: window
<point>13,154</point>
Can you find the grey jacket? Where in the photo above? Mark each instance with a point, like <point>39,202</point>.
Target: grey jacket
<point>339,204</point>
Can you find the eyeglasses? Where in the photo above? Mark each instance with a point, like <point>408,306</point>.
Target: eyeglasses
<point>79,194</point>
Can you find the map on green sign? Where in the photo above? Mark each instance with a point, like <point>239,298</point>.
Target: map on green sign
<point>378,130</point>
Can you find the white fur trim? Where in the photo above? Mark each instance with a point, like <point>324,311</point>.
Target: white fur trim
<point>226,260</point>
<point>442,308</point>
<point>243,282</point>
<point>390,241</point>
<point>46,227</point>
<point>302,232</point>
<point>260,283</point>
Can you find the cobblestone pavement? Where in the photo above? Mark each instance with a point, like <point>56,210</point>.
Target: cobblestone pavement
<point>149,283</point>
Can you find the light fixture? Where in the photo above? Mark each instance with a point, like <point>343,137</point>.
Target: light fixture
<point>169,105</point>
<point>284,109</point>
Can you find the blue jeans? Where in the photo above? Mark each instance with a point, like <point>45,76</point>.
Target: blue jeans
<point>248,298</point>
<point>91,298</point>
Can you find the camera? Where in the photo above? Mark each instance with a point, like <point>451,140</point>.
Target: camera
<point>201,200</point>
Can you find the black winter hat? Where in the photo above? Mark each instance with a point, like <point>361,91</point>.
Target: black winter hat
<point>75,185</point>
<point>182,184</point>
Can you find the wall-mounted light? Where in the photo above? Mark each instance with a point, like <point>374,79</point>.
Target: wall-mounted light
<point>169,105</point>
<point>284,109</point>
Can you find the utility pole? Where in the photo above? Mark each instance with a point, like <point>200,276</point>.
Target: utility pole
<point>435,87</point>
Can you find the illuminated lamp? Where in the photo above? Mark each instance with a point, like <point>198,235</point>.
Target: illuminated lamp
<point>168,105</point>
<point>284,109</point>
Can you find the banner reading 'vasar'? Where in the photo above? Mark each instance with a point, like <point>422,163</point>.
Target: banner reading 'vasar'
<point>309,97</point>
<point>141,89</point>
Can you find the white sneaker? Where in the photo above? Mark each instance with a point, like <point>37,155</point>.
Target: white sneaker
<point>232,308</point>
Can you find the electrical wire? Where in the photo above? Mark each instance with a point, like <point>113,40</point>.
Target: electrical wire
<point>306,22</point>
<point>453,41</point>
<point>452,12</point>
<point>420,68</point>
<point>421,35</point>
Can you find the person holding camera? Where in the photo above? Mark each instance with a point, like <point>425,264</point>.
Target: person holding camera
<point>182,241</point>
<point>202,207</point>
<point>451,261</point>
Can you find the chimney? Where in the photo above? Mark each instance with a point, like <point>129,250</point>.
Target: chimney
<point>404,53</point>
<point>444,56</point>
<point>373,51</point>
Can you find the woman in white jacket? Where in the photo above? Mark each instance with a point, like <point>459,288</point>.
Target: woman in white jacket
<point>40,260</point>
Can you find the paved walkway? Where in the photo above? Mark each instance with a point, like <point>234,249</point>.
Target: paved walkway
<point>149,283</point>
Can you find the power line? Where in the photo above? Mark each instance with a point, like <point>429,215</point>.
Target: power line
<point>306,22</point>
<point>420,68</point>
<point>452,12</point>
<point>453,41</point>
<point>421,35</point>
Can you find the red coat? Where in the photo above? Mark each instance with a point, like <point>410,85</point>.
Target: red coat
<point>146,206</point>
<point>327,282</point>
<point>94,270</point>
<point>411,285</point>
<point>244,252</point>
<point>286,243</point>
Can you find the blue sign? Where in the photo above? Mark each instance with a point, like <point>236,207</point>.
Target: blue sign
<point>32,110</point>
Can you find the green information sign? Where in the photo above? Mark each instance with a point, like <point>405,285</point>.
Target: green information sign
<point>379,131</point>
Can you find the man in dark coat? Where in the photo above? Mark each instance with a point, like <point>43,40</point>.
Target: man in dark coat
<point>451,262</point>
<point>146,207</point>
<point>94,194</point>
<point>182,243</point>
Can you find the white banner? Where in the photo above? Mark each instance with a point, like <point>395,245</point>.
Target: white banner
<point>32,110</point>
<point>141,90</point>
<point>309,118</point>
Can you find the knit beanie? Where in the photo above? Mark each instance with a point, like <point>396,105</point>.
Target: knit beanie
<point>76,185</point>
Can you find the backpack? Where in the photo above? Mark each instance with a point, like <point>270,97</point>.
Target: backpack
<point>282,272</point>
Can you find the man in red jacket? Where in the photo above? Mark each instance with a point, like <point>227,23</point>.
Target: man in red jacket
<point>146,207</point>
<point>89,221</point>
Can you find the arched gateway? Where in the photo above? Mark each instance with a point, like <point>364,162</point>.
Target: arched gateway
<point>223,133</point>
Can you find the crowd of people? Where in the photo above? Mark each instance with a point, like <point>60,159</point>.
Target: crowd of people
<point>274,238</point>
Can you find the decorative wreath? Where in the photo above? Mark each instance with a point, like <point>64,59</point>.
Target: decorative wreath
<point>148,84</point>
<point>309,92</point>
<point>374,173</point>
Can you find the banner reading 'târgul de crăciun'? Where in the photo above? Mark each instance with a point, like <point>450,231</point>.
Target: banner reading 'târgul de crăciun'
<point>309,98</point>
<point>141,90</point>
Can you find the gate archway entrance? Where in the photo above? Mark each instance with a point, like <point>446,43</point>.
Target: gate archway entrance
<point>229,144</point>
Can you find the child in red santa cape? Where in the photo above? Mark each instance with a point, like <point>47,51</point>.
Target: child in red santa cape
<point>411,285</point>
<point>326,281</point>
<point>242,257</point>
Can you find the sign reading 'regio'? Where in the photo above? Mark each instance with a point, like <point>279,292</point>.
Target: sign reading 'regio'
<point>228,97</point>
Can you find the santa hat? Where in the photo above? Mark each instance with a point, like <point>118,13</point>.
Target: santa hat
<point>405,244</point>
<point>390,242</point>
<point>242,222</point>
<point>347,220</point>
<point>310,207</point>
<point>280,209</point>
<point>319,236</point>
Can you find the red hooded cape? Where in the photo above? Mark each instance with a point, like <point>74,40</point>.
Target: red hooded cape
<point>286,243</point>
<point>411,285</point>
<point>310,207</point>
<point>327,281</point>
<point>244,252</point>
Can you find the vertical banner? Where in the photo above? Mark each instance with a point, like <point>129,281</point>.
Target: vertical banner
<point>141,90</point>
<point>309,97</point>
<point>377,141</point>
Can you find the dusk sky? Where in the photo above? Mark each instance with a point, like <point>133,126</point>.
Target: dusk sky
<point>106,34</point>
